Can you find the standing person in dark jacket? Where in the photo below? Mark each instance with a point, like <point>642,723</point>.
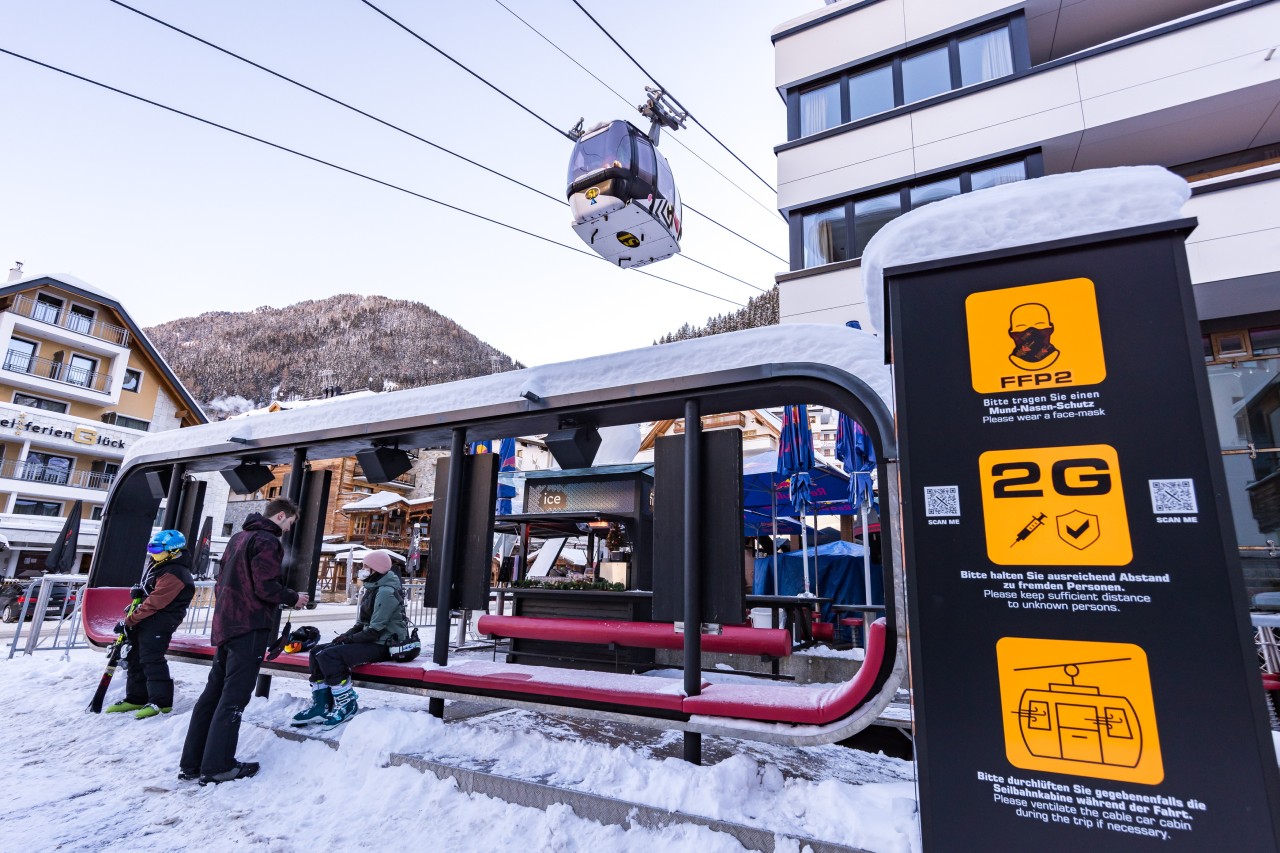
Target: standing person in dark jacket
<point>250,590</point>
<point>166,589</point>
<point>380,623</point>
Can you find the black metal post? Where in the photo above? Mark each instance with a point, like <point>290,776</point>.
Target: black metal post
<point>448,554</point>
<point>692,569</point>
<point>174,497</point>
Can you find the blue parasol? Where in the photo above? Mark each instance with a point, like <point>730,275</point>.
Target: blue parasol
<point>795,459</point>
<point>506,470</point>
<point>858,456</point>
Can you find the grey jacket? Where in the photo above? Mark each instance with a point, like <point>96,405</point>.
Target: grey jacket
<point>381,618</point>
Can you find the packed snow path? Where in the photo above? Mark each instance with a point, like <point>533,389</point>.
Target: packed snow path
<point>80,781</point>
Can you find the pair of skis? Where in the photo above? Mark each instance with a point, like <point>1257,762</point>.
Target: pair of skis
<point>114,653</point>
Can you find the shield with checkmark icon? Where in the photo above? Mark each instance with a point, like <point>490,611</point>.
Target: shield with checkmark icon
<point>1078,529</point>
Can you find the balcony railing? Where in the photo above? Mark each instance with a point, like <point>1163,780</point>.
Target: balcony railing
<point>65,318</point>
<point>35,472</point>
<point>59,371</point>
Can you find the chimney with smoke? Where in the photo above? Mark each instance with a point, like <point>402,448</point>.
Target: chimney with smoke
<point>16,272</point>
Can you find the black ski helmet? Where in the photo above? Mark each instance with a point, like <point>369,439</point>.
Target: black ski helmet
<point>302,640</point>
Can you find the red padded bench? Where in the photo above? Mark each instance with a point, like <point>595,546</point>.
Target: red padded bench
<point>103,607</point>
<point>739,639</point>
<point>773,703</point>
<point>575,685</point>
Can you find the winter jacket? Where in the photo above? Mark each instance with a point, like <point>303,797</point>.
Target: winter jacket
<point>250,585</point>
<point>381,616</point>
<point>168,589</point>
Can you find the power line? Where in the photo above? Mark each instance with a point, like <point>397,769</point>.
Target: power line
<point>406,28</point>
<point>334,100</point>
<point>539,117</point>
<point>624,99</point>
<point>771,187</point>
<point>344,169</point>
<point>389,124</point>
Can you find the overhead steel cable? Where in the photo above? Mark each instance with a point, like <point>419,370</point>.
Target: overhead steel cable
<point>344,169</point>
<point>667,92</point>
<point>334,100</point>
<point>385,123</point>
<point>673,137</point>
<point>411,32</point>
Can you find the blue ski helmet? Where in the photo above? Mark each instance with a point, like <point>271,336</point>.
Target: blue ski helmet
<point>166,541</point>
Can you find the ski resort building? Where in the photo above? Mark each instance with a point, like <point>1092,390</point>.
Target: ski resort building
<point>896,104</point>
<point>79,384</point>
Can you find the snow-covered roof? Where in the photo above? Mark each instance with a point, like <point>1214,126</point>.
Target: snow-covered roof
<point>853,351</point>
<point>1019,214</point>
<point>289,405</point>
<point>65,279</point>
<point>378,500</point>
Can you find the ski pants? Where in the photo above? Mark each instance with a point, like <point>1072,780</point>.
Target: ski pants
<point>215,721</point>
<point>147,674</point>
<point>332,663</point>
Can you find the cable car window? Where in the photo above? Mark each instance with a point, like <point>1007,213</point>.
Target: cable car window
<point>1117,723</point>
<point>599,151</point>
<point>646,162</point>
<point>1038,715</point>
<point>666,184</point>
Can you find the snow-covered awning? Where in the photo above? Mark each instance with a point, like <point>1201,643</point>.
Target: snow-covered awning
<point>373,503</point>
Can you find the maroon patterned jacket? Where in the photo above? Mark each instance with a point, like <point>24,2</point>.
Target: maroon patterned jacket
<point>250,585</point>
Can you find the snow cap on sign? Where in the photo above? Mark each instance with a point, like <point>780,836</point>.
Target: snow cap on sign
<point>1019,214</point>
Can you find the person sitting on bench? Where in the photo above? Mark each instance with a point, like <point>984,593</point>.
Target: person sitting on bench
<point>381,622</point>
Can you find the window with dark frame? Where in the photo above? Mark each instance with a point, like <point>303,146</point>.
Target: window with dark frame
<point>951,63</point>
<point>822,235</point>
<point>132,380</point>
<point>20,399</point>
<point>30,506</point>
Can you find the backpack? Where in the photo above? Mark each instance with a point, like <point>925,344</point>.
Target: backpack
<point>411,647</point>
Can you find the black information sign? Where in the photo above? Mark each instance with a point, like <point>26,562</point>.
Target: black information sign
<point>1083,668</point>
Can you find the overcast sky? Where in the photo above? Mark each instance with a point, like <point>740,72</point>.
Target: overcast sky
<point>176,218</point>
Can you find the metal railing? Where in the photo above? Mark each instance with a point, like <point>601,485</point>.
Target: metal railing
<point>36,472</point>
<point>59,371</point>
<point>65,318</point>
<point>66,633</point>
<point>199,618</point>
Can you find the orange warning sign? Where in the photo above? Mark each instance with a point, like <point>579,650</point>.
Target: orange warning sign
<point>1035,337</point>
<point>1076,707</point>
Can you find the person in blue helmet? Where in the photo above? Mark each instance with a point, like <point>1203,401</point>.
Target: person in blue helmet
<point>166,589</point>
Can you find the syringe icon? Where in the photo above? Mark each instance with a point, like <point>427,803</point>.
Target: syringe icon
<point>1036,521</point>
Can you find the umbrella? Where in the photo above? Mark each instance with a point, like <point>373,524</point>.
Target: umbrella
<point>858,457</point>
<point>200,556</point>
<point>62,556</point>
<point>506,470</point>
<point>795,459</point>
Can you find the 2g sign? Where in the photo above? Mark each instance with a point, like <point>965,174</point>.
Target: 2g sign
<point>1055,506</point>
<point>1068,477</point>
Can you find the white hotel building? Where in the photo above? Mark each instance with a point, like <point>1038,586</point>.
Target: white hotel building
<point>79,384</point>
<point>894,104</point>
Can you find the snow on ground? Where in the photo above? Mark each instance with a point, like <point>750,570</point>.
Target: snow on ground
<point>79,781</point>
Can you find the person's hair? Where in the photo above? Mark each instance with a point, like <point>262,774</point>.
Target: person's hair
<point>279,505</point>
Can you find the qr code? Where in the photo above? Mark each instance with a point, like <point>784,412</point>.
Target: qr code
<point>941,501</point>
<point>1173,496</point>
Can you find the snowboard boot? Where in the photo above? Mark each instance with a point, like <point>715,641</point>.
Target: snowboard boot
<point>125,705</point>
<point>321,704</point>
<point>151,710</point>
<point>344,706</point>
<point>239,770</point>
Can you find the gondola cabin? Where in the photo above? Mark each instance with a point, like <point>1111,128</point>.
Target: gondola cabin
<point>624,200</point>
<point>1077,722</point>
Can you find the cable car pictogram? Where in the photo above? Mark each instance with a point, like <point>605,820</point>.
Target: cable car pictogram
<point>1078,722</point>
<point>624,200</point>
